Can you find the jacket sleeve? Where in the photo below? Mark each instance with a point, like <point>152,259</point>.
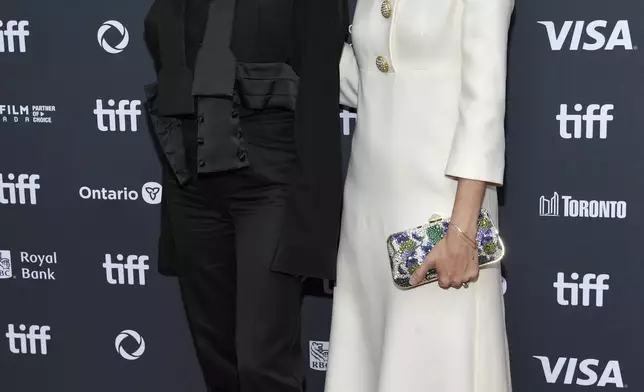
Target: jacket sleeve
<point>151,37</point>
<point>478,146</point>
<point>349,79</point>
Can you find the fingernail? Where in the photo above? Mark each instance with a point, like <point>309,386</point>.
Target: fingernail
<point>413,280</point>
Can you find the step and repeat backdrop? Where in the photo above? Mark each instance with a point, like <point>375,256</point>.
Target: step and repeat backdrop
<point>83,308</point>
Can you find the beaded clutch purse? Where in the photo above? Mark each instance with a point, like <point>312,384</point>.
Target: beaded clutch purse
<point>407,249</point>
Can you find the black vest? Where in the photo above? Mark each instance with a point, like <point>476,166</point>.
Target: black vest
<point>219,85</point>
<point>272,64</point>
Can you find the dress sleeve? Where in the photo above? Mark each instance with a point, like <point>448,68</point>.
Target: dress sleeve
<point>478,146</point>
<point>349,78</point>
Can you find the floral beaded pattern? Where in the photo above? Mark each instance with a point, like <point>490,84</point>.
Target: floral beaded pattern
<point>407,249</point>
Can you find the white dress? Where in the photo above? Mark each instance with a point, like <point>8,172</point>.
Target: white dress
<point>429,109</point>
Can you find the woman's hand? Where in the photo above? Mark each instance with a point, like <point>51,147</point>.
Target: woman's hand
<point>454,259</point>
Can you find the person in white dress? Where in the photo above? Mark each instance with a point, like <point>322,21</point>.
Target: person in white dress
<point>428,80</point>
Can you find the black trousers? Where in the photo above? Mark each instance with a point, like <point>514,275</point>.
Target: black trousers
<point>244,318</point>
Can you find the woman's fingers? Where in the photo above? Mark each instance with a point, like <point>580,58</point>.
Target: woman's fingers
<point>459,274</point>
<point>472,271</point>
<point>419,274</point>
<point>454,273</point>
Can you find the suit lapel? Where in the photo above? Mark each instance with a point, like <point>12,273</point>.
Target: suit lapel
<point>175,79</point>
<point>215,65</point>
<point>172,34</point>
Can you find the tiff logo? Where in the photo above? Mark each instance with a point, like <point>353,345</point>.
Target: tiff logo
<point>19,191</point>
<point>126,114</point>
<point>16,35</point>
<point>37,334</point>
<point>589,118</point>
<point>590,282</point>
<point>132,264</point>
<point>346,117</point>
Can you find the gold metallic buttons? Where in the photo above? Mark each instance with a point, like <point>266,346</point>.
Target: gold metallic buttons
<point>385,9</point>
<point>382,64</point>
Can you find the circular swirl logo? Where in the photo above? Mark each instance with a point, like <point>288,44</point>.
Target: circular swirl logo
<point>125,36</point>
<point>118,344</point>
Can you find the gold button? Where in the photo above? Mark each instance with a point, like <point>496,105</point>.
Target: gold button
<point>385,9</point>
<point>382,64</point>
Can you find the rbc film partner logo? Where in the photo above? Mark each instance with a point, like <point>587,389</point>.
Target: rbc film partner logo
<point>318,355</point>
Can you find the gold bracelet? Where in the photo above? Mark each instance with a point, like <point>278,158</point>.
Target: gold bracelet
<point>464,236</point>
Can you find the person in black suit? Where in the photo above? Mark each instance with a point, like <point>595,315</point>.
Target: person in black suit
<point>245,113</point>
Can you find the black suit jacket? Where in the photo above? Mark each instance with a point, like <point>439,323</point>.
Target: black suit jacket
<point>310,237</point>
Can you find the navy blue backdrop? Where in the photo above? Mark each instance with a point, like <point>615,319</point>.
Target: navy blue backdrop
<point>83,307</point>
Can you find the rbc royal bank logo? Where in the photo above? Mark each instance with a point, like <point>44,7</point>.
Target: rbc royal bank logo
<point>105,28</point>
<point>573,208</point>
<point>131,335</point>
<point>5,265</point>
<point>318,355</point>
